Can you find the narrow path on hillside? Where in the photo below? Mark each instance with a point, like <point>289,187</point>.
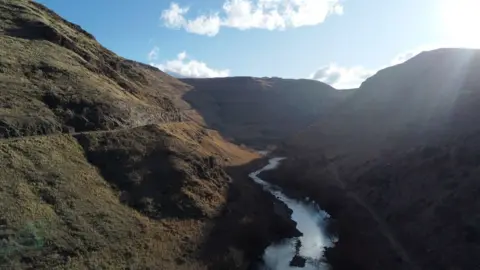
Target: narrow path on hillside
<point>185,119</point>
<point>12,139</point>
<point>19,138</point>
<point>382,225</point>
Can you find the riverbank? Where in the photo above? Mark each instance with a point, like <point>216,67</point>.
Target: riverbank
<point>251,220</point>
<point>361,243</point>
<point>306,251</point>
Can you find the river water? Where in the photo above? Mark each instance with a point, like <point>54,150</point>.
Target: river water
<point>311,222</point>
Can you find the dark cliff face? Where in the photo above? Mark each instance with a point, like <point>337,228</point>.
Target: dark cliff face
<point>404,143</point>
<point>261,111</point>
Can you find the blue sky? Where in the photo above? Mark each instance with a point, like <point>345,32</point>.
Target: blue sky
<point>340,42</point>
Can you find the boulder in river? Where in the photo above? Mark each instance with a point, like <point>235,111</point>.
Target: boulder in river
<point>298,261</point>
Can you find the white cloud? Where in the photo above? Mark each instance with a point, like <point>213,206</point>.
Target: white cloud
<point>204,25</point>
<point>244,14</point>
<point>153,54</point>
<point>190,68</point>
<point>181,56</point>
<point>351,77</point>
<point>174,16</point>
<point>248,14</point>
<point>342,77</point>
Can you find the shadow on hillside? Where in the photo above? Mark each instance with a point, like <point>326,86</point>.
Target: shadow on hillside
<point>260,111</point>
<point>361,246</point>
<point>252,219</point>
<point>249,222</point>
<point>151,179</point>
<point>236,124</point>
<point>148,182</point>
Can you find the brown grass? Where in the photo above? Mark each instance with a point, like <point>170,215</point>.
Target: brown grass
<point>47,182</point>
<point>55,77</point>
<point>135,187</point>
<point>59,211</point>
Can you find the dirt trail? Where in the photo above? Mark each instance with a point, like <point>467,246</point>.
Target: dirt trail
<point>383,227</point>
<point>185,116</point>
<point>13,139</point>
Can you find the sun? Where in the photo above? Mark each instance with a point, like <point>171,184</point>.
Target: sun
<point>461,21</point>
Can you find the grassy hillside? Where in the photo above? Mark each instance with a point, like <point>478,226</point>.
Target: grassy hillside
<point>429,196</point>
<point>429,98</point>
<point>261,111</point>
<point>151,197</point>
<point>58,211</point>
<point>171,171</point>
<point>404,145</point>
<point>55,77</point>
<point>102,167</point>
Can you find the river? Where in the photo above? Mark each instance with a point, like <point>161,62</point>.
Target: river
<point>311,222</point>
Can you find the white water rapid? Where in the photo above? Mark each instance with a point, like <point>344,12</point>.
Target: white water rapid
<point>311,222</point>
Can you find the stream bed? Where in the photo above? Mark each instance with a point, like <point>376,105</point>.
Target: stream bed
<point>306,251</point>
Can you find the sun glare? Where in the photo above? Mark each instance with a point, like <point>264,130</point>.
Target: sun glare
<point>461,19</point>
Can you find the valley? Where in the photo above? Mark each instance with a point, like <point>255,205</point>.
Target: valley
<point>109,163</point>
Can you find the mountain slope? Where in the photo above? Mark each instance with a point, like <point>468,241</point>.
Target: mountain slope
<point>151,200</point>
<point>432,96</point>
<point>132,183</point>
<point>260,111</point>
<point>57,211</point>
<point>404,143</point>
<point>56,77</point>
